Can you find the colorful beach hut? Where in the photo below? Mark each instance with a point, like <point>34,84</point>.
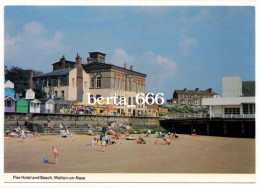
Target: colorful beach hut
<point>9,84</point>
<point>10,104</point>
<point>22,106</point>
<point>9,92</point>
<point>47,106</point>
<point>34,106</point>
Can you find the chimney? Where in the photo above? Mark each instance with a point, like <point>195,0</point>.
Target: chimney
<point>124,65</point>
<point>197,89</point>
<point>185,89</point>
<point>62,60</point>
<point>78,61</point>
<point>210,90</point>
<point>31,85</point>
<point>131,67</point>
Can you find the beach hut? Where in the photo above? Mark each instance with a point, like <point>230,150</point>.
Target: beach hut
<point>30,94</point>
<point>22,106</point>
<point>9,84</point>
<point>20,94</point>
<point>9,92</point>
<point>47,106</point>
<point>10,104</point>
<point>34,106</point>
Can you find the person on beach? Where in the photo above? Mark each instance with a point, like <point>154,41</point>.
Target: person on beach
<point>103,144</point>
<point>148,133</point>
<point>98,142</point>
<point>36,134</point>
<point>194,132</point>
<point>140,140</point>
<point>56,154</point>
<point>22,134</point>
<point>156,142</point>
<point>50,125</point>
<point>167,141</point>
<point>126,134</point>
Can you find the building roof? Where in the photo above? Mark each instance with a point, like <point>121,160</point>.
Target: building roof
<point>60,72</point>
<point>97,52</point>
<point>248,88</point>
<point>194,92</point>
<point>46,100</point>
<point>10,98</point>
<point>97,65</point>
<point>66,61</point>
<point>33,100</point>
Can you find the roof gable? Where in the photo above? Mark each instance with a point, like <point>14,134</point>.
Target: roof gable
<point>10,98</point>
<point>9,84</point>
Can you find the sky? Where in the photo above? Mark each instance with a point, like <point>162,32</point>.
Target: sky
<point>176,46</point>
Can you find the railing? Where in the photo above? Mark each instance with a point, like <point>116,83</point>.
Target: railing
<point>232,116</point>
<point>206,116</point>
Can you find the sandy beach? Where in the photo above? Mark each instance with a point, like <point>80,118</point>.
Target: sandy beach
<point>187,154</point>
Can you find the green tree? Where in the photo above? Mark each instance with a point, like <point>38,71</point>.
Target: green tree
<point>39,93</point>
<point>18,76</point>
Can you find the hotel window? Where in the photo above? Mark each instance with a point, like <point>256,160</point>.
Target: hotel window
<point>248,108</point>
<point>129,100</point>
<point>73,82</point>
<point>129,85</point>
<point>98,81</point>
<point>91,99</point>
<point>62,93</point>
<point>195,101</point>
<point>118,84</point>
<point>55,93</point>
<point>122,84</point>
<point>92,82</point>
<point>232,111</point>
<point>58,82</point>
<point>48,83</point>
<point>114,83</point>
<point>183,101</point>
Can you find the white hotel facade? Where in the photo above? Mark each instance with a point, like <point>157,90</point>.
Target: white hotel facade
<point>238,99</point>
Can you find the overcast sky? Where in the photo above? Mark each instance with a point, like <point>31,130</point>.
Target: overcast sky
<point>177,47</point>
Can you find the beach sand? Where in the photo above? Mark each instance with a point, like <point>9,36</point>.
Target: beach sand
<point>187,154</point>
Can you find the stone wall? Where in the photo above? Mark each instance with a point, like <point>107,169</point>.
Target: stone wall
<point>73,120</point>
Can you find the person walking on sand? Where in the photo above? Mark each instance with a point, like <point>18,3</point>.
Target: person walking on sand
<point>55,152</point>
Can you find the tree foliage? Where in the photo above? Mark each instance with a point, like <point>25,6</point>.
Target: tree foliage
<point>20,78</point>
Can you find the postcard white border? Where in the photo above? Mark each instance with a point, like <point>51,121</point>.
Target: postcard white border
<point>187,177</point>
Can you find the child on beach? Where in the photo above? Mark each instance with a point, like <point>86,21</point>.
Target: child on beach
<point>156,142</point>
<point>103,145</point>
<point>98,142</point>
<point>55,151</point>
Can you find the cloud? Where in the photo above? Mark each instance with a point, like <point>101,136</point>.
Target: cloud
<point>29,48</point>
<point>186,45</point>
<point>160,70</point>
<point>119,57</point>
